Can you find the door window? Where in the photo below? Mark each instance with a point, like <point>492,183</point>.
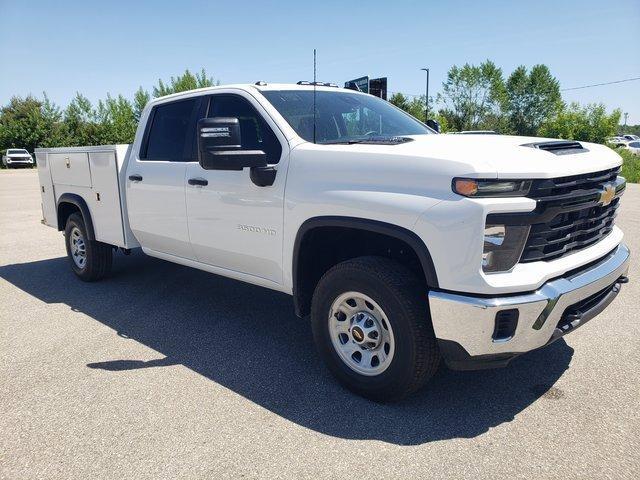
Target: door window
<point>172,132</point>
<point>254,130</point>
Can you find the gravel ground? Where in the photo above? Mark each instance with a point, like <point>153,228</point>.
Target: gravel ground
<point>163,372</point>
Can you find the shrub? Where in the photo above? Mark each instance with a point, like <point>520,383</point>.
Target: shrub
<point>631,165</point>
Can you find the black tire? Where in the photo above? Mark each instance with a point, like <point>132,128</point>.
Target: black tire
<point>403,298</point>
<point>98,255</point>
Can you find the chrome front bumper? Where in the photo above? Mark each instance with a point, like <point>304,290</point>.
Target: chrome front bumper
<point>466,325</point>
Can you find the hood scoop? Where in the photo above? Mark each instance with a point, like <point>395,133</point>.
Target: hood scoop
<point>561,147</point>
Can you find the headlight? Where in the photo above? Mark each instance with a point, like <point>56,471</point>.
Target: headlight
<point>503,245</point>
<point>471,187</point>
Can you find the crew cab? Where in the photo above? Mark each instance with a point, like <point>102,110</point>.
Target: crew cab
<point>16,157</point>
<point>404,247</point>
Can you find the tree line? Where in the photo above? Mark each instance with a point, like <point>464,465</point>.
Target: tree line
<point>528,102</point>
<point>30,122</point>
<point>473,97</point>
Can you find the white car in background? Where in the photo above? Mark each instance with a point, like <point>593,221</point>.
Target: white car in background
<point>622,140</point>
<point>15,157</point>
<point>633,147</point>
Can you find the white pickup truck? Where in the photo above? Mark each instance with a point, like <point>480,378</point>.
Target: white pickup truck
<point>15,157</point>
<point>404,246</point>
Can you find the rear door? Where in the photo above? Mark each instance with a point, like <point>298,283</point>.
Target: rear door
<point>156,178</point>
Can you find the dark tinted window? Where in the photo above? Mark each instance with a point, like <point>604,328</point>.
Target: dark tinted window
<point>171,132</point>
<point>255,133</point>
<point>634,144</point>
<point>342,116</point>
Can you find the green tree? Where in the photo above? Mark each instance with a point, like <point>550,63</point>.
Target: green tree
<point>630,165</point>
<point>530,99</point>
<point>140,100</point>
<point>400,101</point>
<point>472,96</point>
<point>80,119</point>
<point>590,123</point>
<point>116,121</point>
<point>632,129</point>
<point>416,108</point>
<point>184,82</point>
<point>28,123</point>
<point>55,130</point>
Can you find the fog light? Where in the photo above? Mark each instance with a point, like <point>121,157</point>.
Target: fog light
<point>503,245</point>
<point>506,323</point>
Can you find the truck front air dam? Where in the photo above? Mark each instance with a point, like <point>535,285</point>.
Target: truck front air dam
<point>483,332</point>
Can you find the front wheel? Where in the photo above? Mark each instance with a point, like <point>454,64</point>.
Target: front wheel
<point>371,325</point>
<point>90,260</point>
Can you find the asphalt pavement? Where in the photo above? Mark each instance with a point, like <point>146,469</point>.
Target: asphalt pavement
<point>162,371</point>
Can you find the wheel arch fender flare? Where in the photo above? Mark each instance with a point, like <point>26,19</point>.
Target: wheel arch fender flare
<point>384,228</point>
<point>81,204</point>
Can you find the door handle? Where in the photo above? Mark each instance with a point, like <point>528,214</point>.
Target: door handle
<point>135,178</point>
<point>198,181</point>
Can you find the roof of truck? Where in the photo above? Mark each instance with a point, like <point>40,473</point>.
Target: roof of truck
<point>259,86</point>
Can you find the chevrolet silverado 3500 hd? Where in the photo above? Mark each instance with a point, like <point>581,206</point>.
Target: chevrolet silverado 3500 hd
<point>405,247</point>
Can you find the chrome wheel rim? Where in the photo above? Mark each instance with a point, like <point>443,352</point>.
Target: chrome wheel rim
<point>78,248</point>
<point>361,333</point>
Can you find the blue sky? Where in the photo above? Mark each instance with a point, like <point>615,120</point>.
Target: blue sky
<point>116,46</point>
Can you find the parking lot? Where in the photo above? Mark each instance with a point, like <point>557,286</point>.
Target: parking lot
<point>162,371</point>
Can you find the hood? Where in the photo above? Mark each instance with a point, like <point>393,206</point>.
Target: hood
<point>505,156</point>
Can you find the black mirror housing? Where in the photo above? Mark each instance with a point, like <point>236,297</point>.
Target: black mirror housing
<point>433,125</point>
<point>220,146</point>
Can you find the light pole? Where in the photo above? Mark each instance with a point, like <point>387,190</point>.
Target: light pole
<point>624,129</point>
<point>426,100</point>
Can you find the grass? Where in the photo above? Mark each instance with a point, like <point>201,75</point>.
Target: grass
<point>631,165</point>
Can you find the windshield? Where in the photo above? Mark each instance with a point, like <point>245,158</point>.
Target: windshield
<point>343,117</point>
<point>15,151</point>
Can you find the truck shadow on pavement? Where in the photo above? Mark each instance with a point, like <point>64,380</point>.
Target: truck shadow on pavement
<point>247,339</point>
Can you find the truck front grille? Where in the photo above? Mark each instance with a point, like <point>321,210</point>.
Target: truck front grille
<point>571,214</point>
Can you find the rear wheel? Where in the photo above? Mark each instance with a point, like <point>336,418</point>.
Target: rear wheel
<point>371,326</point>
<point>90,260</point>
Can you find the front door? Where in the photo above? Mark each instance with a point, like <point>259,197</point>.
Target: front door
<point>233,223</point>
<point>156,178</point>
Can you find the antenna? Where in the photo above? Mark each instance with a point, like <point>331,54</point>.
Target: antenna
<point>314,95</point>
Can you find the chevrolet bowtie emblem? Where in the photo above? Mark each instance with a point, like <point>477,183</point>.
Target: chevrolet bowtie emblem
<point>607,195</point>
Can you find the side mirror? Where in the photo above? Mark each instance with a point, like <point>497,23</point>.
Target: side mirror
<point>433,125</point>
<point>220,146</point>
